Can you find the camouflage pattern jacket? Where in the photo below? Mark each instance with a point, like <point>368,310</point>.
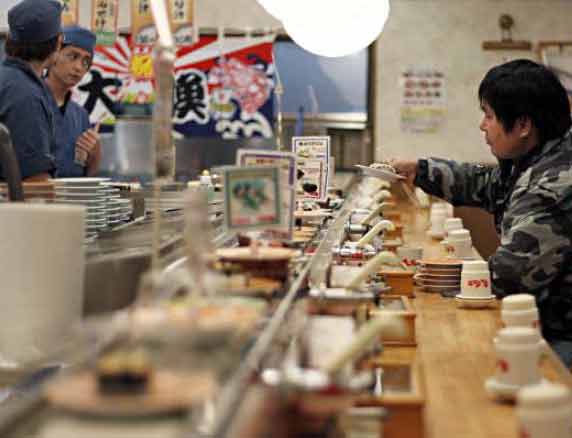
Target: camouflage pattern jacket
<point>531,200</point>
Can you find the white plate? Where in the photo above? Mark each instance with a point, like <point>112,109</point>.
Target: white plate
<point>77,182</point>
<point>380,173</point>
<point>475,302</point>
<point>502,390</point>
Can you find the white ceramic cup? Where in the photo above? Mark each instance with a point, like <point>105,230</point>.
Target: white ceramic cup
<point>544,410</point>
<point>437,219</point>
<point>518,353</point>
<point>475,279</point>
<point>519,310</point>
<point>452,223</point>
<point>409,255</point>
<point>42,271</point>
<point>461,243</point>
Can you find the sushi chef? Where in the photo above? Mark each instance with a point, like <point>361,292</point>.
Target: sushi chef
<point>526,122</point>
<point>78,146</point>
<point>25,101</point>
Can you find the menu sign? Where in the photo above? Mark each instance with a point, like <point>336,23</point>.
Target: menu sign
<point>104,21</point>
<point>313,161</point>
<point>69,12</point>
<point>286,163</point>
<point>182,17</point>
<point>252,198</point>
<point>142,25</point>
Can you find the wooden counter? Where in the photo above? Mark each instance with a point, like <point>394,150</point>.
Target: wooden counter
<point>456,351</point>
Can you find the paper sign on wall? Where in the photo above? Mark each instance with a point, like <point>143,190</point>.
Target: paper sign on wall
<point>182,18</point>
<point>313,161</point>
<point>69,12</point>
<point>252,198</point>
<point>143,29</point>
<point>286,162</point>
<point>104,21</point>
<point>423,100</point>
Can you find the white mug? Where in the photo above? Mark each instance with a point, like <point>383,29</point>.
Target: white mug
<point>519,310</point>
<point>518,352</point>
<point>42,271</point>
<point>453,223</point>
<point>544,410</point>
<point>476,284</point>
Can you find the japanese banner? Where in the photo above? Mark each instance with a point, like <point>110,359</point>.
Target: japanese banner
<point>142,25</point>
<point>182,17</point>
<point>224,90</point>
<point>69,12</point>
<point>104,21</point>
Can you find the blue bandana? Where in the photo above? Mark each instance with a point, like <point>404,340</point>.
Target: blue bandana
<point>79,37</point>
<point>35,21</point>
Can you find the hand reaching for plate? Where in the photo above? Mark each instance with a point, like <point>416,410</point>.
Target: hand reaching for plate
<point>407,169</point>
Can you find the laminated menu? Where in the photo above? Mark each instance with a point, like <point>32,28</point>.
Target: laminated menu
<point>313,161</point>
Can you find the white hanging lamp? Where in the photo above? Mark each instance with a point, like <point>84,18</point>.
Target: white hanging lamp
<point>335,28</point>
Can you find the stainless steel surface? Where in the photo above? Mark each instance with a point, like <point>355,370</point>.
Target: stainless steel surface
<point>128,152</point>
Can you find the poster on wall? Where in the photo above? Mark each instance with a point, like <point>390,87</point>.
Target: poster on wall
<point>423,100</point>
<point>69,12</point>
<point>313,161</point>
<point>221,90</point>
<point>104,21</point>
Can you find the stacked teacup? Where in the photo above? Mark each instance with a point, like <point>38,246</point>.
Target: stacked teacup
<point>452,223</point>
<point>518,351</point>
<point>460,243</point>
<point>475,285</point>
<point>520,310</point>
<point>439,213</point>
<point>544,410</point>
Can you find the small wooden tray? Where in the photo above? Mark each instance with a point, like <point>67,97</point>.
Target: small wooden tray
<point>400,306</point>
<point>403,396</point>
<point>401,282</point>
<point>245,253</point>
<point>167,393</point>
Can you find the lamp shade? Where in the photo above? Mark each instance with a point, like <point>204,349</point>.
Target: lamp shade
<point>335,28</point>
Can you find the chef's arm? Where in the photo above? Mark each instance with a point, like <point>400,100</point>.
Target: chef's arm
<point>31,136</point>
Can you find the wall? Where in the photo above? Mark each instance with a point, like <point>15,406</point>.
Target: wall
<point>447,34</point>
<point>210,13</point>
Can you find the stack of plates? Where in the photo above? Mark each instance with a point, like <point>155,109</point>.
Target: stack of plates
<point>89,192</point>
<point>33,191</point>
<point>439,275</point>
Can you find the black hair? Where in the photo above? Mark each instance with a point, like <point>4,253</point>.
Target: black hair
<point>27,51</point>
<point>525,89</point>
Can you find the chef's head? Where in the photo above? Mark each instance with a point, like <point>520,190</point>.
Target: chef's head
<point>34,30</point>
<point>524,104</point>
<point>74,59</point>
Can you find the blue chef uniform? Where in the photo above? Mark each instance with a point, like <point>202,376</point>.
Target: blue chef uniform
<point>25,101</point>
<point>71,119</point>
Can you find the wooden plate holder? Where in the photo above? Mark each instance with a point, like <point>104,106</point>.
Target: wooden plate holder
<point>402,307</point>
<point>400,281</point>
<point>404,397</point>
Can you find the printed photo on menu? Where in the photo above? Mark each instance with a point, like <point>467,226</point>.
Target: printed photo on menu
<point>252,197</point>
<point>286,162</point>
<point>310,178</point>
<point>312,155</point>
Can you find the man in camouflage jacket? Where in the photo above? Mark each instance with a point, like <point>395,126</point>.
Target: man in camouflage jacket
<point>527,125</point>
